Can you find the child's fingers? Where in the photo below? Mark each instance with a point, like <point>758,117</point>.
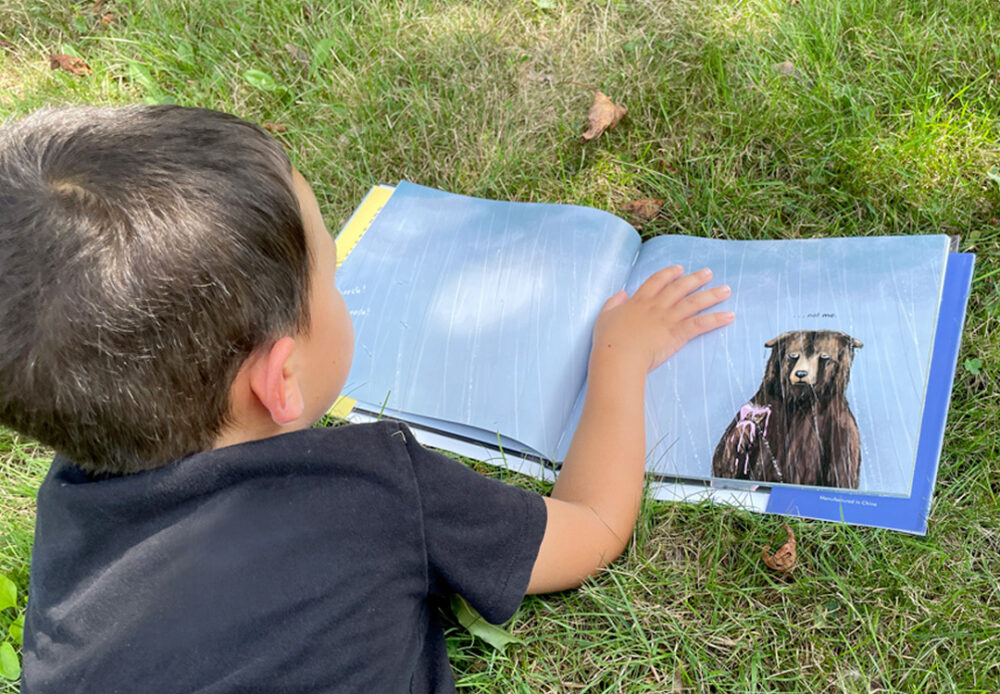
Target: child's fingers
<point>616,300</point>
<point>687,330</point>
<point>658,280</point>
<point>673,292</point>
<point>695,303</point>
<point>705,322</point>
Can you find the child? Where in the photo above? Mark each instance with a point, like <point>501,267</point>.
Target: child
<point>169,323</point>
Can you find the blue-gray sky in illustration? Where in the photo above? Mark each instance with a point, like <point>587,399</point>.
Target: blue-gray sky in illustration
<point>480,313</point>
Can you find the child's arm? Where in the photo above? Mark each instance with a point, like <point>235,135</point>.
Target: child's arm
<point>596,499</point>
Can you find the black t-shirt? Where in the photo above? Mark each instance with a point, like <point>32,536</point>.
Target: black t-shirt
<point>307,562</point>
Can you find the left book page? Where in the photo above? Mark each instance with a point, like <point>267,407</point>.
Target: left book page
<point>478,313</point>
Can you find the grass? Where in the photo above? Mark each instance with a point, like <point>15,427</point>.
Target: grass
<point>888,124</point>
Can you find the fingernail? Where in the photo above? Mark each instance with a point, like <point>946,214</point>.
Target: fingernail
<point>705,272</point>
<point>725,290</point>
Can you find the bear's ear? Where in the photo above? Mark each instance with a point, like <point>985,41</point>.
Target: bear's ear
<point>775,340</point>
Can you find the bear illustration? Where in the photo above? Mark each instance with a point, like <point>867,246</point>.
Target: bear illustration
<point>798,428</point>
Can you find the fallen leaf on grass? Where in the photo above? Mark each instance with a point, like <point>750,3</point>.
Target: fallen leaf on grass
<point>260,80</point>
<point>8,593</point>
<point>274,127</point>
<point>645,209</point>
<point>788,69</point>
<point>10,668</point>
<point>498,637</point>
<point>69,63</point>
<point>604,114</point>
<point>100,13</point>
<point>783,560</point>
<point>785,68</point>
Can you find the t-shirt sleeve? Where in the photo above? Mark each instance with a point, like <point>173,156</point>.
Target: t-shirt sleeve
<point>482,535</point>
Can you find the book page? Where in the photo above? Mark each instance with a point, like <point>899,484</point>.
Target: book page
<point>480,312</point>
<point>908,514</point>
<point>836,332</point>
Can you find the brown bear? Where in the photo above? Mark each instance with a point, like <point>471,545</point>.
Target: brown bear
<point>798,428</point>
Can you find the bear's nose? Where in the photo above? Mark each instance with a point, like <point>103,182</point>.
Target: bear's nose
<point>801,374</point>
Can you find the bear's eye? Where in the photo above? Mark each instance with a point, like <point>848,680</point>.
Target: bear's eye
<point>824,357</point>
<point>793,355</point>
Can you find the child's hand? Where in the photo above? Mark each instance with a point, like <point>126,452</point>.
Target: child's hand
<point>597,496</point>
<point>659,318</point>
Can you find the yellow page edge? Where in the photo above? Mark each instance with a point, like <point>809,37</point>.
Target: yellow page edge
<point>361,220</point>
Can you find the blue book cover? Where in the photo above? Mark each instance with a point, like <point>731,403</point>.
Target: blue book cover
<point>473,321</point>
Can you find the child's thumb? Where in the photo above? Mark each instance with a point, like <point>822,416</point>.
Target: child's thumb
<point>616,300</point>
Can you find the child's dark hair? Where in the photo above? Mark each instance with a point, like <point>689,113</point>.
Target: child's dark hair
<point>145,252</point>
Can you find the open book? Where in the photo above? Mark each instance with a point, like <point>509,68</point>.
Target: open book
<point>826,398</point>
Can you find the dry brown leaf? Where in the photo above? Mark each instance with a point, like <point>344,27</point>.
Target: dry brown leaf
<point>644,209</point>
<point>785,68</point>
<point>108,18</point>
<point>274,127</point>
<point>784,559</point>
<point>788,69</point>
<point>604,114</point>
<point>69,63</point>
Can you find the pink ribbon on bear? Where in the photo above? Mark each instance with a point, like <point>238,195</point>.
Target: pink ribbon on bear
<point>746,426</point>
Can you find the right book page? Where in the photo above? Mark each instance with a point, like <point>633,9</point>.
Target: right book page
<point>821,379</point>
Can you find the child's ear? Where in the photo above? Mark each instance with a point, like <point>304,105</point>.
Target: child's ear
<point>275,385</point>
